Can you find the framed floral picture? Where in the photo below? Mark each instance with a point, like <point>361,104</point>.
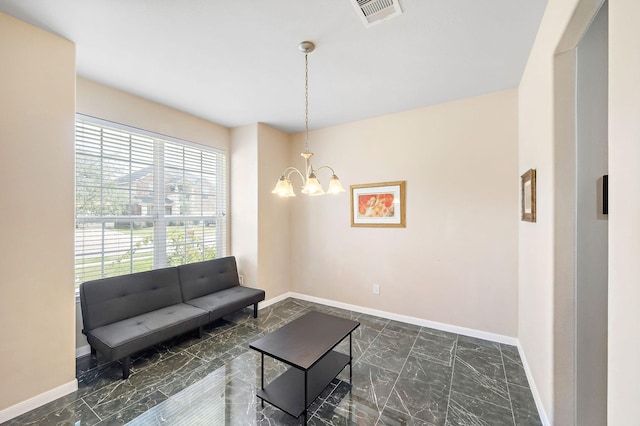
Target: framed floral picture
<point>378,205</point>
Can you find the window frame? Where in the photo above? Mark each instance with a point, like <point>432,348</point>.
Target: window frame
<point>158,216</point>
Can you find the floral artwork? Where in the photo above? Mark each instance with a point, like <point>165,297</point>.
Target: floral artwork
<point>378,205</point>
<point>375,205</point>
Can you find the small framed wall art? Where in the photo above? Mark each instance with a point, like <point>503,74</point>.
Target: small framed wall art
<point>528,194</point>
<point>605,194</point>
<point>378,205</point>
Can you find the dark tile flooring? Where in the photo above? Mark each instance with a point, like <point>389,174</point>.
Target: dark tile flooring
<point>402,375</point>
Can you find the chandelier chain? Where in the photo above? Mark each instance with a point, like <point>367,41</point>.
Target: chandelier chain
<point>306,102</point>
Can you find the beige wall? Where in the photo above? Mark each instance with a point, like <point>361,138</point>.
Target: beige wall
<point>110,104</point>
<point>273,212</point>
<point>535,325</point>
<point>37,103</point>
<point>458,249</point>
<point>564,239</point>
<point>456,261</point>
<point>107,103</point>
<point>536,273</point>
<point>624,217</point>
<point>244,201</point>
<point>591,226</point>
<point>260,220</point>
<point>546,325</point>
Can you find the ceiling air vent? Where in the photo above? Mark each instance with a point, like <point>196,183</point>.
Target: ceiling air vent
<point>376,11</point>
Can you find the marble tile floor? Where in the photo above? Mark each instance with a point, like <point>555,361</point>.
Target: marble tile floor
<point>402,375</point>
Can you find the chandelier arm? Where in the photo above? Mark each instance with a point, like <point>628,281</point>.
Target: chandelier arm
<point>289,170</point>
<point>326,167</point>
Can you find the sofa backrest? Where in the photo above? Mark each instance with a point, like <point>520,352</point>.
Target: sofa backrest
<point>201,278</point>
<point>107,300</point>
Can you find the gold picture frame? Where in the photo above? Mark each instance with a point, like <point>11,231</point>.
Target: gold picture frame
<point>528,196</point>
<point>378,205</point>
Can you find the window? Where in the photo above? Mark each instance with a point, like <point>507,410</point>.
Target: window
<point>144,201</point>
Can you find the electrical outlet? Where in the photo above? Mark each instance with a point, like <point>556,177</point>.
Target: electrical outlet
<point>376,289</point>
<point>241,279</point>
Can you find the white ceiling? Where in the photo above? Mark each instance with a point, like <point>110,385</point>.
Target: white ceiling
<point>237,62</point>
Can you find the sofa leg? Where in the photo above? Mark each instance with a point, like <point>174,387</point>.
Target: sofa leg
<point>255,310</point>
<point>126,364</point>
<point>199,332</point>
<point>94,357</point>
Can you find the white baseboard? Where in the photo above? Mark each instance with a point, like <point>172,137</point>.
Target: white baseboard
<point>412,320</point>
<point>83,350</point>
<point>274,300</point>
<point>444,327</point>
<point>534,390</point>
<point>38,400</point>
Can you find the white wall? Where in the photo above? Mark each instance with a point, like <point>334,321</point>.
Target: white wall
<point>624,216</point>
<point>456,261</point>
<point>37,105</point>
<point>591,225</point>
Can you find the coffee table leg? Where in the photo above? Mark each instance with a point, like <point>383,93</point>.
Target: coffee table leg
<point>262,377</point>
<point>350,362</point>
<point>305,397</point>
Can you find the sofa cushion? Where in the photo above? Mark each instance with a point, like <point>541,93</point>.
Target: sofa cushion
<point>108,300</point>
<point>131,335</point>
<point>202,278</point>
<point>227,301</point>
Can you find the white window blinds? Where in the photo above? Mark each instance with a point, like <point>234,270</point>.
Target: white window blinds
<point>144,201</point>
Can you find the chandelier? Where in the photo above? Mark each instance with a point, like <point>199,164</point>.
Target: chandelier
<point>310,183</point>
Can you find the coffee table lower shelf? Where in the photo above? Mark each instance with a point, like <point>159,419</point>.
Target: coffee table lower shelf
<point>286,392</point>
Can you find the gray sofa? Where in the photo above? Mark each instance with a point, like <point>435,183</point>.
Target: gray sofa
<point>126,314</point>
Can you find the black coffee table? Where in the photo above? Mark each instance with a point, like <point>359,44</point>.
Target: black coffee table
<point>306,344</point>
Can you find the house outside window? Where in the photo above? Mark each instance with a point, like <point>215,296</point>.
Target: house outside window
<point>144,201</point>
